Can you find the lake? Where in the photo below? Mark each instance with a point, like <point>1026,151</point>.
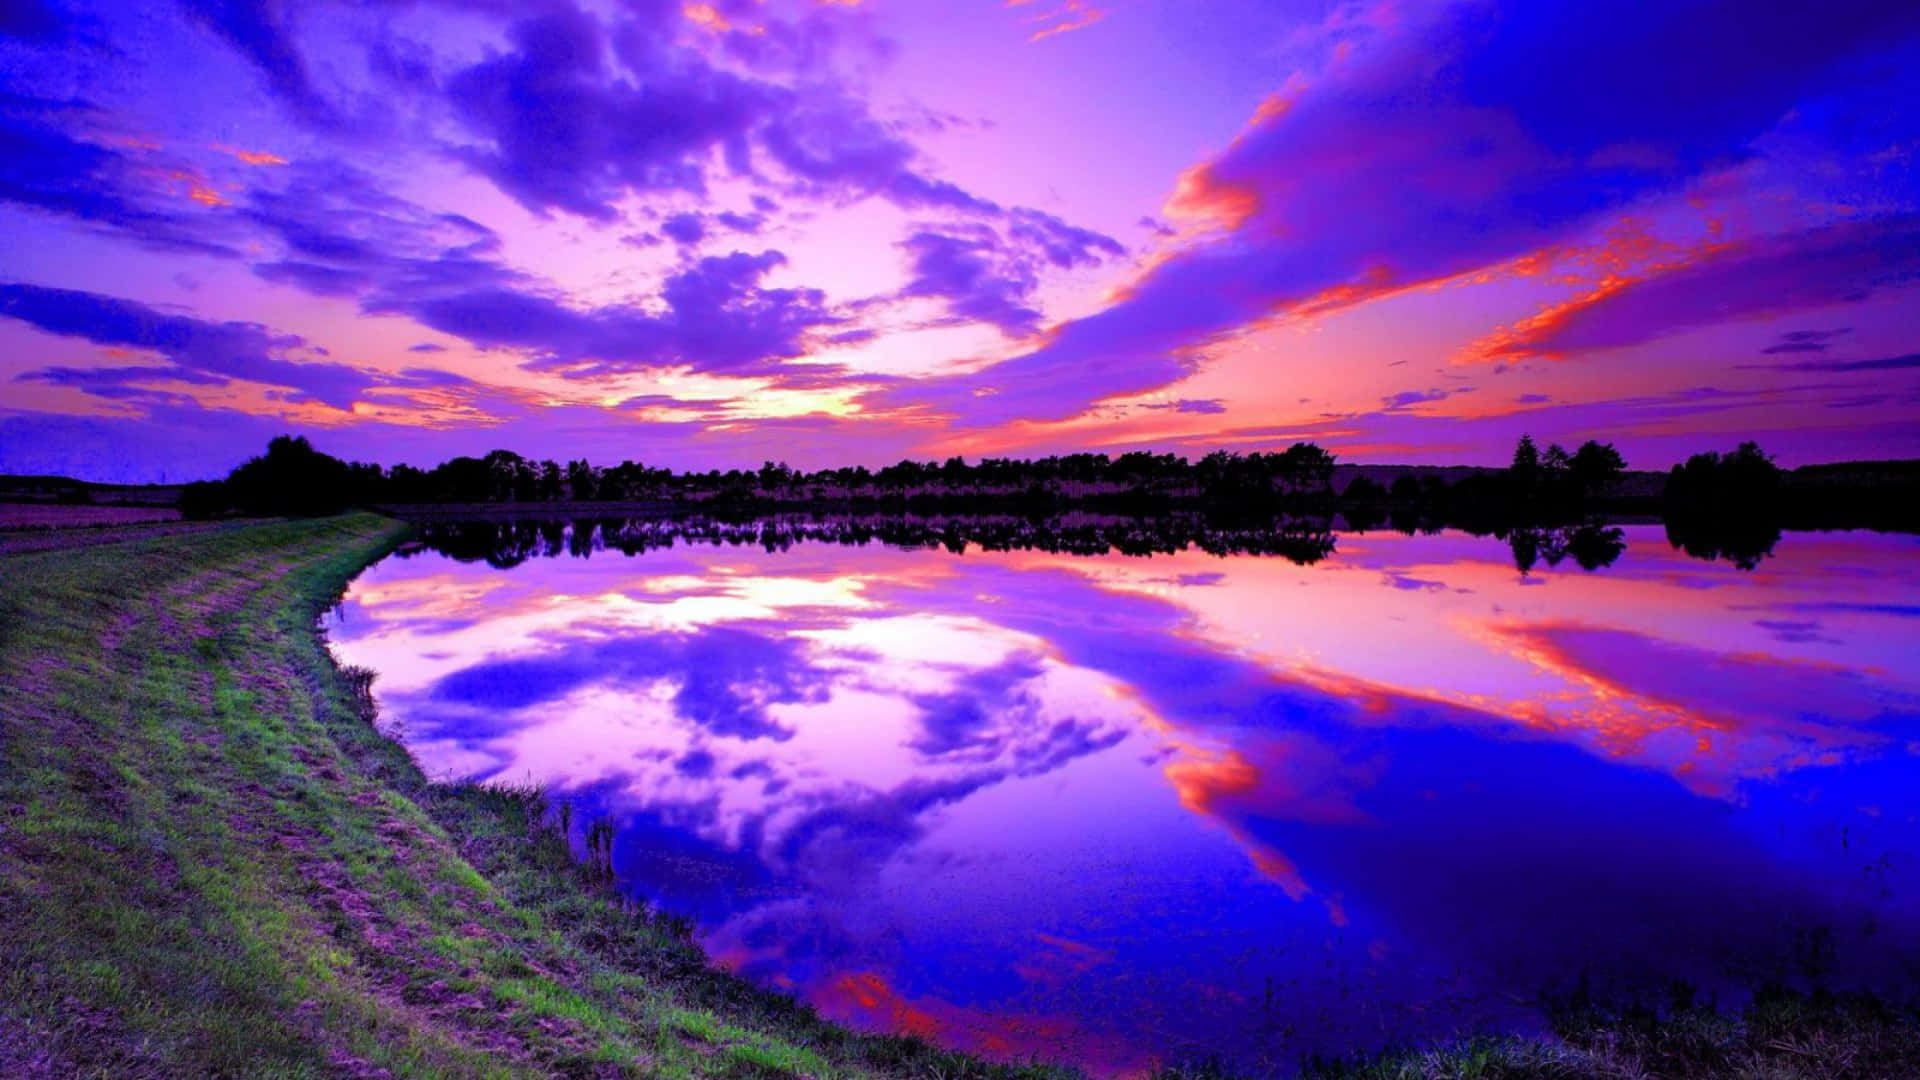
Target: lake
<point>1319,793</point>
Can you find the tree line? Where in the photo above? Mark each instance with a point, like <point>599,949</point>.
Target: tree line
<point>292,478</point>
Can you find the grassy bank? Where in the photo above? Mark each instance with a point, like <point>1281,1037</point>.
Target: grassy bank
<point>212,864</point>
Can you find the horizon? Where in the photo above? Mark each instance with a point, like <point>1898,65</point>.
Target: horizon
<point>853,232</point>
<point>744,467</point>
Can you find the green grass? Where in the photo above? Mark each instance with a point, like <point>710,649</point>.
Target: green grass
<point>212,864</point>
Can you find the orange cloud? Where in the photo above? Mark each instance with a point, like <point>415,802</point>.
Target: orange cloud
<point>252,157</point>
<point>1629,254</point>
<point>707,17</point>
<point>1199,195</point>
<point>1073,15</point>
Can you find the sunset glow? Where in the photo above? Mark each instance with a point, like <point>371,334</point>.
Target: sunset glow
<point>709,234</point>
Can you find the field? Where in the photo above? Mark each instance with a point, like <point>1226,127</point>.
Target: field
<point>59,516</point>
<point>212,864</point>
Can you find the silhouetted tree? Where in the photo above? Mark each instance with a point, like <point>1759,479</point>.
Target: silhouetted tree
<point>583,481</point>
<point>1596,465</point>
<point>292,479</point>
<point>204,499</point>
<point>1743,482</point>
<point>1523,476</point>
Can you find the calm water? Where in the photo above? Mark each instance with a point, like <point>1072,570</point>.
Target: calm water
<point>1124,809</point>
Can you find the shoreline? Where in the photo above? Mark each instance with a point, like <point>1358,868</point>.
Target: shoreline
<point>212,861</point>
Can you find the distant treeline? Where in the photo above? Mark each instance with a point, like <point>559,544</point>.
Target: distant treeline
<point>1539,487</point>
<point>293,478</point>
<point>322,484</point>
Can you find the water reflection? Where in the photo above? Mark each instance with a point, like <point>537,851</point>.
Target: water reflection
<point>1121,809</point>
<point>509,542</point>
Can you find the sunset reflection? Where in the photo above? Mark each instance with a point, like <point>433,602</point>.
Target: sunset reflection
<point>988,797</point>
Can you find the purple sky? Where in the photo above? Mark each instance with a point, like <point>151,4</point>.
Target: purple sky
<point>707,234</point>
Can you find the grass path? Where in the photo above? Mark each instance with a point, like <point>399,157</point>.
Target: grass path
<point>211,864</point>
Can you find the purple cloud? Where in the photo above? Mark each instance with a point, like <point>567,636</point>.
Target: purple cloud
<point>43,167</point>
<point>968,267</point>
<point>987,277</point>
<point>1806,341</point>
<point>738,222</point>
<point>684,228</point>
<point>1907,362</point>
<point>1831,264</point>
<point>1406,398</point>
<point>205,353</point>
<point>718,318</point>
<point>1200,406</point>
<point>577,115</point>
<point>1451,142</point>
<point>257,29</point>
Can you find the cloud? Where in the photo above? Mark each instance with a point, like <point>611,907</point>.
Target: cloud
<point>684,228</point>
<point>1199,406</point>
<point>1065,18</point>
<point>200,351</point>
<point>1907,362</point>
<point>1841,262</point>
<point>114,380</point>
<point>1456,138</point>
<point>968,268</point>
<point>258,30</point>
<point>717,318</point>
<point>989,277</point>
<point>576,116</point>
<point>44,167</point>
<point>1406,398</point>
<point>1064,246</point>
<point>1805,341</point>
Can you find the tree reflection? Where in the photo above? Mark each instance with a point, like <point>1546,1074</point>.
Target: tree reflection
<point>1591,546</point>
<point>506,543</point>
<point>1742,541</point>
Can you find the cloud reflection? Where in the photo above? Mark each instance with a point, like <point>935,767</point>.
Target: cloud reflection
<point>984,796</point>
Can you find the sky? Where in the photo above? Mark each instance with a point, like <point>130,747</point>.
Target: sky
<point>704,235</point>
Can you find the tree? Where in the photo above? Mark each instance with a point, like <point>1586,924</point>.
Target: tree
<point>1595,468</point>
<point>1748,475</point>
<point>1523,476</point>
<point>291,478</point>
<point>775,475</point>
<point>1305,467</point>
<point>583,480</point>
